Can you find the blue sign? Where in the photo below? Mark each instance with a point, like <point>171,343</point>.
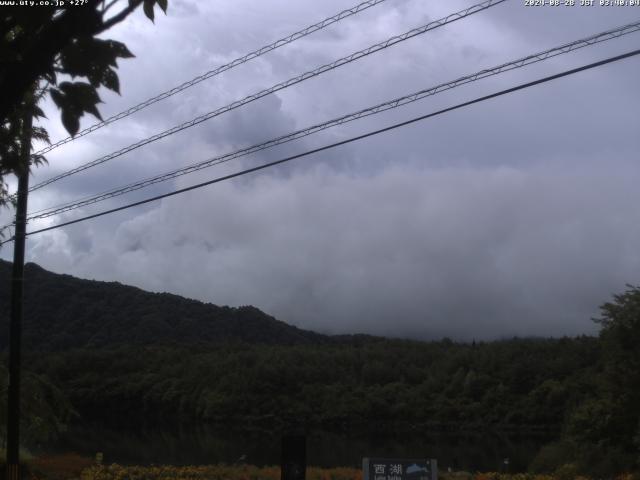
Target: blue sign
<point>399,469</point>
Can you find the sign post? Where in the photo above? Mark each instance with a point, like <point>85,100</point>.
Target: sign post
<point>399,469</point>
<point>294,457</point>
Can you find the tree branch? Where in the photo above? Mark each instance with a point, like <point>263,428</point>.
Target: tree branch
<point>53,36</point>
<point>105,8</point>
<point>120,16</point>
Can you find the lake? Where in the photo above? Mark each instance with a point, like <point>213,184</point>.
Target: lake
<point>208,445</point>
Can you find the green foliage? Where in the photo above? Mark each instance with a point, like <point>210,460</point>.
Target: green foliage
<point>620,336</point>
<point>122,355</point>
<point>606,424</point>
<point>25,457</point>
<point>325,385</point>
<point>74,99</point>
<point>89,57</point>
<point>12,137</point>
<point>94,59</point>
<point>149,4</point>
<point>568,471</point>
<point>37,47</point>
<point>62,312</point>
<point>552,457</point>
<point>45,410</point>
<point>117,351</point>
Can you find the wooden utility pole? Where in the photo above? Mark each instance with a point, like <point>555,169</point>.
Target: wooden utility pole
<point>15,325</point>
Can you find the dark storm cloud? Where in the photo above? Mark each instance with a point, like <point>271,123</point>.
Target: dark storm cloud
<point>513,217</point>
<point>459,252</point>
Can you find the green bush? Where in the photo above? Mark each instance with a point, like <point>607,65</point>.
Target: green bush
<point>551,457</point>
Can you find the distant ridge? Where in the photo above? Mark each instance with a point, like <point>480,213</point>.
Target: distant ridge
<point>64,312</point>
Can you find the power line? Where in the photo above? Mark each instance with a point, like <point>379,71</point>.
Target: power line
<point>280,86</point>
<point>343,142</point>
<point>397,102</point>
<point>218,70</point>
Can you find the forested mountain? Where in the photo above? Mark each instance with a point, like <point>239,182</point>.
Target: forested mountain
<point>527,385</point>
<point>63,312</point>
<point>105,352</point>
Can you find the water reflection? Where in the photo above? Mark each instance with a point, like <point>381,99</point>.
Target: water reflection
<point>206,445</point>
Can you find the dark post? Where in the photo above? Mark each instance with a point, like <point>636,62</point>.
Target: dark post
<point>15,325</point>
<point>294,457</point>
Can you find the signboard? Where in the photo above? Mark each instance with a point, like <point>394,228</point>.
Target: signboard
<point>399,469</point>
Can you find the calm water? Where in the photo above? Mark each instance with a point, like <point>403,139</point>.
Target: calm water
<point>471,452</point>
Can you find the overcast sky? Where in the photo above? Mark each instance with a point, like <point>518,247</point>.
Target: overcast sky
<point>517,216</point>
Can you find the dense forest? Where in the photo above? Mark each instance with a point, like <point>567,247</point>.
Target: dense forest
<point>63,312</point>
<point>105,352</point>
<point>514,384</point>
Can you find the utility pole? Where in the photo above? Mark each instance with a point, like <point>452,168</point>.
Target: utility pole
<point>15,325</point>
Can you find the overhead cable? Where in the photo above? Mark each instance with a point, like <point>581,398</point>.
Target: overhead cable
<point>218,70</point>
<point>343,142</point>
<point>388,105</point>
<point>280,86</point>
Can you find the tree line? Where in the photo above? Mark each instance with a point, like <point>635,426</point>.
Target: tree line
<point>107,353</point>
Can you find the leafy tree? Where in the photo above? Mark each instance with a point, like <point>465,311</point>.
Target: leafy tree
<point>620,336</point>
<point>46,49</point>
<point>608,420</point>
<point>46,410</point>
<point>11,138</point>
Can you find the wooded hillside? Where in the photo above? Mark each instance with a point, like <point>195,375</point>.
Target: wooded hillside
<point>110,353</point>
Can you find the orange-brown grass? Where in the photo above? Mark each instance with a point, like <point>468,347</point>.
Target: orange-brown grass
<point>74,467</point>
<point>59,467</point>
<point>211,472</point>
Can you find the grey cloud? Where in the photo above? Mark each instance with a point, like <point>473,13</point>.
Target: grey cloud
<point>412,252</point>
<point>510,217</point>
